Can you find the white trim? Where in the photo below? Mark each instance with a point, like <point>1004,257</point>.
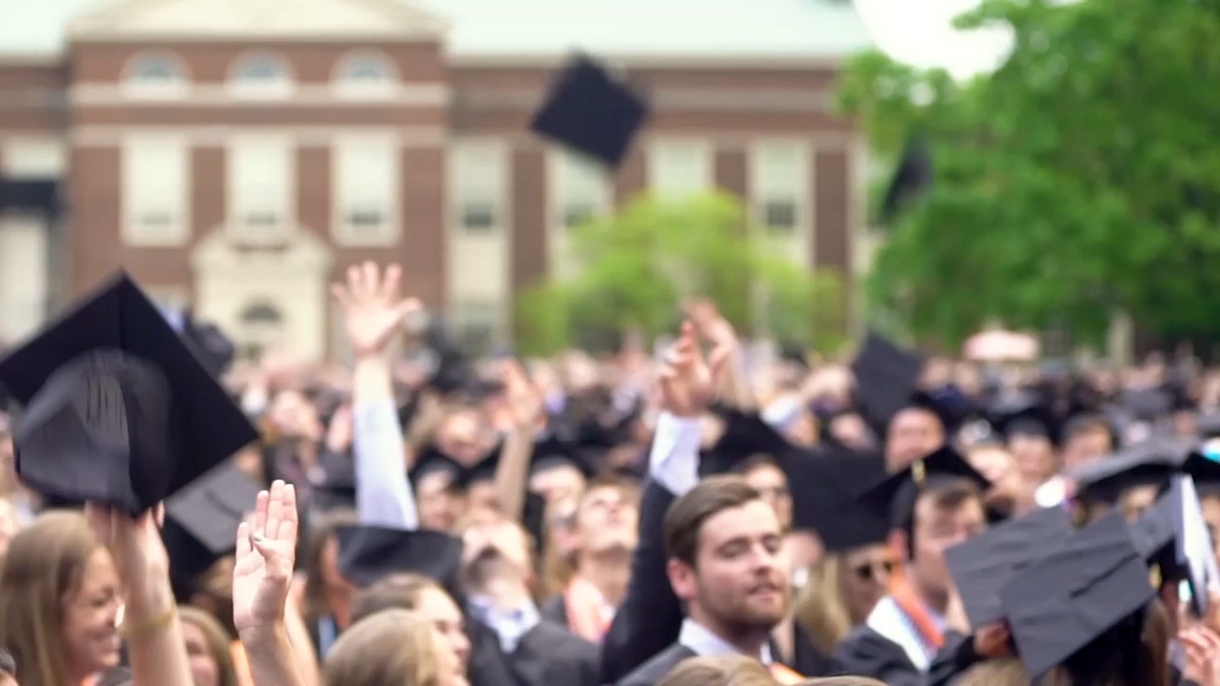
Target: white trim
<point>218,95</point>
<point>318,136</point>
<point>174,89</point>
<point>705,148</point>
<point>33,156</point>
<point>641,61</point>
<point>502,150</point>
<point>346,90</point>
<point>281,88</point>
<point>343,233</point>
<point>179,233</point>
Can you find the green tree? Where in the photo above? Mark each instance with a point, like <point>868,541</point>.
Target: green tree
<point>1077,180</point>
<point>638,265</point>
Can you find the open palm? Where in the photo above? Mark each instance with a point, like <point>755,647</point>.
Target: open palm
<point>266,552</point>
<point>373,308</point>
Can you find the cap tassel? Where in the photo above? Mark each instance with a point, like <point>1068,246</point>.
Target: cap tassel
<point>919,472</point>
<point>1154,575</point>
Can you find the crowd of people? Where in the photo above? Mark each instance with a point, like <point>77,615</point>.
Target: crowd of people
<point>419,518</point>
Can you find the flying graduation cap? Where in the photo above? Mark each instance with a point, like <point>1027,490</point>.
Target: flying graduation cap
<point>588,110</point>
<point>116,409</point>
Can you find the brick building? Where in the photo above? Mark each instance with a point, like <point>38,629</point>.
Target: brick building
<point>239,154</point>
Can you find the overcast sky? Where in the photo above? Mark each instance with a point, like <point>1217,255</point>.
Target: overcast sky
<point>918,32</point>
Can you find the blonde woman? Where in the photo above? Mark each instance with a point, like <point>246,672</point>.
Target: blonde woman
<point>207,647</point>
<point>62,587</point>
<point>727,670</point>
<point>391,648</point>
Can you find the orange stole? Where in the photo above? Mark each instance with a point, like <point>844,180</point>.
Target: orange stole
<point>785,675</point>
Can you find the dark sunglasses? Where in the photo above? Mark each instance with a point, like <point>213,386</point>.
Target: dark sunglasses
<point>870,571</point>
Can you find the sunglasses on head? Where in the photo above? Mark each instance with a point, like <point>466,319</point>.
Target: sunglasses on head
<point>870,571</point>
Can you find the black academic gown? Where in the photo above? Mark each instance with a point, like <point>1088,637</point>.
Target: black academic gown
<point>865,652</point>
<point>654,670</point>
<point>547,655</point>
<point>555,609</point>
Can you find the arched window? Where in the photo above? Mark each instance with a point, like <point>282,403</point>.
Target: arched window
<point>365,74</point>
<point>262,328</point>
<point>155,74</point>
<point>261,75</point>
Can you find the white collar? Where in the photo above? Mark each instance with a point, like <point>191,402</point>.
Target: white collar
<point>704,643</point>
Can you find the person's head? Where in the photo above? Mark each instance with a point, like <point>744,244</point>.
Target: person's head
<point>991,460</point>
<point>725,670</point>
<point>841,591</point>
<point>764,474</point>
<point>946,512</point>
<point>323,579</point>
<point>498,550</point>
<point>913,433</point>
<point>557,480</point>
<point>850,430</point>
<point>1033,455</point>
<point>841,681</point>
<point>460,436</point>
<point>60,597</point>
<point>395,646</point>
<point>423,596</point>
<point>214,594</point>
<point>727,561</point>
<point>207,648</point>
<point>1086,439</point>
<point>1008,671</point>
<point>606,518</point>
<point>439,503</point>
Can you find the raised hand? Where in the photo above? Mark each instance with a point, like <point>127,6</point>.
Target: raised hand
<point>134,545</point>
<point>266,552</point>
<point>1202,664</point>
<point>373,307</point>
<point>687,385</point>
<point>524,399</point>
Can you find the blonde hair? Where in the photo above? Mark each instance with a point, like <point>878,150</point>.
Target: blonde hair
<point>45,562</point>
<point>726,670</point>
<point>843,681</point>
<point>389,648</point>
<point>218,643</point>
<point>1002,672</point>
<point>821,608</point>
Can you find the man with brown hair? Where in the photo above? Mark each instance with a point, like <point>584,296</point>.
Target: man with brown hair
<point>728,565</point>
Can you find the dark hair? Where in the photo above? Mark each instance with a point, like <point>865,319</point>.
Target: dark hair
<point>685,517</point>
<point>394,592</point>
<point>1081,425</point>
<point>946,494</point>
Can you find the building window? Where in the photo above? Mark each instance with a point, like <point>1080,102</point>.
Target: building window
<point>260,75</point>
<point>366,192</point>
<point>478,325</point>
<point>262,329</point>
<point>365,74</point>
<point>156,191</point>
<point>479,187</point>
<point>155,75</point>
<point>680,169</point>
<point>582,190</point>
<point>261,190</point>
<point>780,186</point>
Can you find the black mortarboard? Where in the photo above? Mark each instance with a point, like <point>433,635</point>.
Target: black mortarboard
<point>983,564</point>
<point>886,378</point>
<point>1195,549</point>
<point>588,110</point>
<point>1147,403</point>
<point>552,451</point>
<point>911,178</point>
<point>896,494</point>
<point>1145,464</point>
<point>1075,594</point>
<point>823,487</point>
<point>117,409</point>
<point>335,487</point>
<point>368,553</point>
<point>1024,413</point>
<point>214,350</point>
<point>1209,425</point>
<point>745,435</point>
<point>1154,534</point>
<point>202,519</point>
<point>433,461</point>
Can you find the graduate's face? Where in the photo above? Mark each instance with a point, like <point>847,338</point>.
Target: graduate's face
<point>90,610</point>
<point>913,433</point>
<point>439,507</point>
<point>770,481</point>
<point>941,522</point>
<point>606,520</point>
<point>446,619</point>
<point>740,578</point>
<point>558,482</point>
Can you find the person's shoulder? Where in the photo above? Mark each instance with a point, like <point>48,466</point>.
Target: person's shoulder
<point>657,667</point>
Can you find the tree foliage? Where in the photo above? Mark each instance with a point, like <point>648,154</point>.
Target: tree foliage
<point>1081,178</point>
<point>638,265</point>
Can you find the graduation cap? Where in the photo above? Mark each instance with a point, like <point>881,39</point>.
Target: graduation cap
<point>895,495</point>
<point>823,487</point>
<point>1154,534</point>
<point>744,436</point>
<point>553,451</point>
<point>1022,414</point>
<point>912,177</point>
<point>369,553</point>
<point>1149,463</point>
<point>886,378</point>
<point>214,350</point>
<point>983,564</point>
<point>588,110</point>
<point>1195,549</point>
<point>117,409</point>
<point>1147,404</point>
<point>433,461</point>
<point>202,519</point>
<point>1076,593</point>
<point>335,486</point>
